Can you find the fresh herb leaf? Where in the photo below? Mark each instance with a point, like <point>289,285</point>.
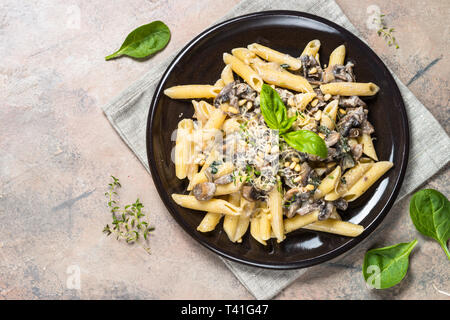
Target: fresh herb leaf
<point>306,141</point>
<point>430,212</point>
<point>144,41</point>
<point>274,110</point>
<point>385,267</point>
<point>386,32</point>
<point>127,223</point>
<point>284,65</point>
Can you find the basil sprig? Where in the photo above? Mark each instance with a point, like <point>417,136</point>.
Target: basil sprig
<point>385,267</point>
<point>144,41</point>
<point>274,110</point>
<point>306,141</point>
<point>275,116</point>
<point>430,212</point>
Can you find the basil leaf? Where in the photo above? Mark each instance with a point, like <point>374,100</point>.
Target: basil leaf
<point>430,212</point>
<point>385,267</point>
<point>306,141</point>
<point>274,110</point>
<point>144,41</point>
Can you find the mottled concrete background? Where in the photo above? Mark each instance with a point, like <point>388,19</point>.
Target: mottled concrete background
<point>58,150</point>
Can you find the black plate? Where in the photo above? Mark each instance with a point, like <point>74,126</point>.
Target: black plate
<point>200,62</point>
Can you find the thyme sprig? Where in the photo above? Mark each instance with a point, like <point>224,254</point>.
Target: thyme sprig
<point>128,222</point>
<point>386,32</point>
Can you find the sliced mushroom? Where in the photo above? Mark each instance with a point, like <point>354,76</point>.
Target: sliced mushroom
<point>307,207</point>
<point>305,170</point>
<point>326,208</point>
<point>225,179</point>
<point>357,151</point>
<point>354,133</point>
<point>341,204</point>
<point>332,138</point>
<point>233,92</point>
<point>351,102</point>
<point>367,127</point>
<point>204,191</point>
<point>250,193</point>
<point>347,162</point>
<point>353,118</point>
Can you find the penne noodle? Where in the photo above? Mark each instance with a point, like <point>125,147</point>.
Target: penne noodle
<point>203,110</point>
<point>376,170</point>
<point>300,221</point>
<point>328,183</point>
<point>209,222</point>
<point>213,205</point>
<point>264,226</point>
<point>244,71</point>
<point>311,48</point>
<point>282,78</point>
<point>219,83</point>
<point>275,206</point>
<point>230,222</point>
<point>224,189</point>
<point>201,177</point>
<point>192,91</point>
<point>244,54</point>
<point>348,180</point>
<point>368,148</point>
<point>337,57</point>
<point>183,148</point>
<point>350,88</point>
<point>227,75</point>
<point>335,226</point>
<point>217,117</point>
<point>275,56</point>
<point>329,113</point>
<point>255,226</point>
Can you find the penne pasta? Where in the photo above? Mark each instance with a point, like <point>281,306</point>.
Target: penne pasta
<point>192,91</point>
<point>244,71</point>
<point>368,148</point>
<point>274,56</point>
<point>209,222</point>
<point>329,113</point>
<point>350,88</point>
<point>367,180</point>
<point>311,48</point>
<point>219,84</point>
<point>328,183</point>
<point>213,205</point>
<point>335,226</point>
<point>275,206</point>
<point>299,221</point>
<point>183,148</point>
<point>227,75</point>
<point>203,110</point>
<point>244,54</point>
<point>282,78</point>
<point>337,57</point>
<point>348,180</point>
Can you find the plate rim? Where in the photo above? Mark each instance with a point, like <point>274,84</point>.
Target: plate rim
<point>290,265</point>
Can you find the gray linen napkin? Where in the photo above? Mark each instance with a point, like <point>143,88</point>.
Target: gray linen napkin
<point>128,115</point>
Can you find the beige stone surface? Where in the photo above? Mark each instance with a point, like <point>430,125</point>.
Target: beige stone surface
<point>58,150</point>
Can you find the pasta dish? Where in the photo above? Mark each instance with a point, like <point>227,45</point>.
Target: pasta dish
<point>276,144</point>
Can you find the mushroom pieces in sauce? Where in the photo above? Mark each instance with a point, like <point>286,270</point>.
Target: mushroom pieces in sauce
<point>232,93</point>
<point>204,191</point>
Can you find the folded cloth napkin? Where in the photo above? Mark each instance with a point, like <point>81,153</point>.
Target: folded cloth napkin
<point>128,115</point>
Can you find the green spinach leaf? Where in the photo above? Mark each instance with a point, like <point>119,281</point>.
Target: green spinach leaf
<point>385,267</point>
<point>306,141</point>
<point>430,212</point>
<point>274,110</point>
<point>144,41</point>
